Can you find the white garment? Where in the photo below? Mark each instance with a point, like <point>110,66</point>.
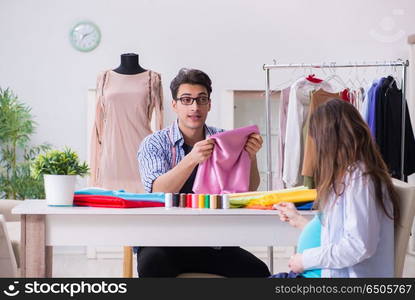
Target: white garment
<point>357,238</point>
<point>298,106</point>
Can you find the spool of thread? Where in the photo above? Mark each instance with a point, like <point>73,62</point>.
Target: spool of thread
<point>189,200</point>
<point>225,201</point>
<point>195,201</point>
<point>207,201</point>
<point>168,200</point>
<point>182,201</point>
<point>176,197</point>
<point>213,201</point>
<point>201,201</point>
<point>219,201</point>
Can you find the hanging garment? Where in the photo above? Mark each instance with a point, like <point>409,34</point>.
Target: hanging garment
<point>285,94</point>
<point>389,132</point>
<point>317,98</point>
<point>228,168</point>
<point>124,106</point>
<point>298,106</point>
<point>365,105</point>
<point>380,112</point>
<point>373,98</point>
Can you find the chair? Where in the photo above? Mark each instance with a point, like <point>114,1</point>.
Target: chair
<point>9,239</point>
<point>406,194</point>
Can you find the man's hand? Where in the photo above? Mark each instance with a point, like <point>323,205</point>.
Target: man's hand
<point>201,151</point>
<point>296,263</point>
<point>253,144</point>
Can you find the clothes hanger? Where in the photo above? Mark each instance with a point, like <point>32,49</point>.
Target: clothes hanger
<point>364,81</point>
<point>287,83</point>
<point>334,76</point>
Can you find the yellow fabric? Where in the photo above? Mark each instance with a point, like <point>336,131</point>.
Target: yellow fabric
<point>268,201</point>
<point>256,194</point>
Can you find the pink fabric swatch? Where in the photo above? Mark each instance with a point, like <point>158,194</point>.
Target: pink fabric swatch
<point>228,169</point>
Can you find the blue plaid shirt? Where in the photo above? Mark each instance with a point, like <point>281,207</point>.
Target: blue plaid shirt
<point>155,153</point>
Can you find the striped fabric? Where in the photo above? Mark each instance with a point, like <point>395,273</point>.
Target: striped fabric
<point>155,153</point>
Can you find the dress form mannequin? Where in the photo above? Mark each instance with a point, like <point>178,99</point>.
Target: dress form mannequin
<point>129,65</point>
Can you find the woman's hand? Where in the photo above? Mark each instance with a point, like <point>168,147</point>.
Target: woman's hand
<point>296,263</point>
<point>289,213</point>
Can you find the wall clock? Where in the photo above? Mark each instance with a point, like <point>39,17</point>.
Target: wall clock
<point>85,36</point>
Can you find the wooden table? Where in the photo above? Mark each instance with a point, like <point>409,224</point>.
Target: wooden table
<point>44,227</point>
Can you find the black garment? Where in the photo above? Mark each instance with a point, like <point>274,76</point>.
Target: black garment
<point>188,185</point>
<point>380,112</point>
<point>172,261</point>
<point>389,130</point>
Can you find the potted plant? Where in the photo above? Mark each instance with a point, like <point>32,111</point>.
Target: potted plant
<point>59,169</point>
<point>16,155</point>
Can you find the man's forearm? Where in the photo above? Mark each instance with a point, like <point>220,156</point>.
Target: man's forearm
<point>254,179</point>
<point>173,180</point>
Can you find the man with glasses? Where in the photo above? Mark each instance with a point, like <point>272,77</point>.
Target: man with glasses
<point>168,161</point>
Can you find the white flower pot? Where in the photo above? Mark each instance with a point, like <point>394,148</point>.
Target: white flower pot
<point>59,189</point>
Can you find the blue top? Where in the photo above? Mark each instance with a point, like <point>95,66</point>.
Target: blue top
<point>310,237</point>
<point>373,94</point>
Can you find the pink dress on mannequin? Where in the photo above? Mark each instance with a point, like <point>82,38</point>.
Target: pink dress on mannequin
<point>124,106</point>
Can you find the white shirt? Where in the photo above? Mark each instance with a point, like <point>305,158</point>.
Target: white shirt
<point>357,238</point>
<point>298,107</point>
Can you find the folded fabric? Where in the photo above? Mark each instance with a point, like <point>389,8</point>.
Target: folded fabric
<point>154,197</point>
<point>266,202</point>
<point>228,168</point>
<point>114,202</point>
<point>238,200</point>
<point>304,206</point>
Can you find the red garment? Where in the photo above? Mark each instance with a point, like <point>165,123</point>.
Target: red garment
<point>345,95</point>
<point>110,201</point>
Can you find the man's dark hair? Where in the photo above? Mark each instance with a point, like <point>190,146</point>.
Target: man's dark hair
<point>191,76</point>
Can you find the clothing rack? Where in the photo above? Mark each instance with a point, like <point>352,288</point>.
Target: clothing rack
<point>330,65</point>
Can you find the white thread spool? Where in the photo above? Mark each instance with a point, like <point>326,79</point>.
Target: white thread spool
<point>225,201</point>
<point>168,200</point>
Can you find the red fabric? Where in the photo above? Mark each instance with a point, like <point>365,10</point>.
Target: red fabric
<point>110,201</point>
<point>345,95</point>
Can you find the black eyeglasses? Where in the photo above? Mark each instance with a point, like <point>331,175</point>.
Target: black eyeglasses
<point>201,100</point>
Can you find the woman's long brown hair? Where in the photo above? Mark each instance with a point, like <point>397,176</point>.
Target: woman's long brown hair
<point>342,139</point>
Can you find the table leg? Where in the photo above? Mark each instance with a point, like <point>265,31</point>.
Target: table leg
<point>128,262</point>
<point>35,255</point>
<point>23,245</point>
<point>271,259</point>
<point>49,261</point>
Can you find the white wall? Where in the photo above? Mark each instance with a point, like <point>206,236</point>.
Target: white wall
<point>230,40</point>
